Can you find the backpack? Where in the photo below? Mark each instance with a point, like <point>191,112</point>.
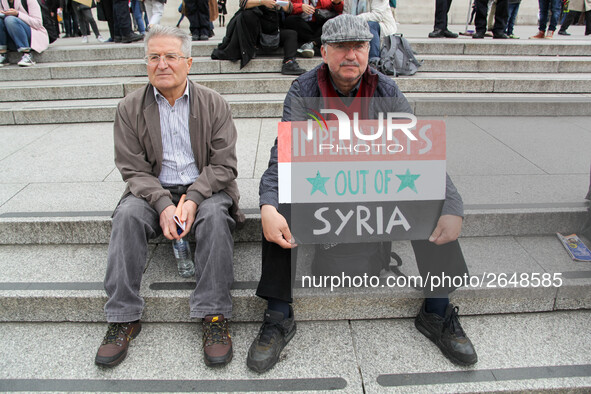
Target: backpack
<point>397,57</point>
<point>49,22</point>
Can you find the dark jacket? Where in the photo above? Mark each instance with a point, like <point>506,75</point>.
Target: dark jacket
<point>138,147</point>
<point>308,85</point>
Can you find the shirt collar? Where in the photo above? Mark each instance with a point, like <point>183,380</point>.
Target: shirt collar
<point>353,91</point>
<point>159,96</point>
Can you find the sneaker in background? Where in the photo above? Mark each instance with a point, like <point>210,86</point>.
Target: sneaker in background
<point>291,67</point>
<point>26,60</point>
<point>306,50</point>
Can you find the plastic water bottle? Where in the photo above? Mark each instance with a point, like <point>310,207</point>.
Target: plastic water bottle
<point>182,254</point>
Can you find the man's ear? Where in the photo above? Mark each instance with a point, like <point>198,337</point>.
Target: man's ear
<point>323,52</point>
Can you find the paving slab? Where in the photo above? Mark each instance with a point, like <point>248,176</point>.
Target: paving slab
<point>543,141</point>
<point>9,190</point>
<point>473,151</point>
<point>266,142</point>
<point>57,156</point>
<point>499,104</point>
<point>522,189</point>
<point>575,276</point>
<point>34,356</point>
<point>15,138</point>
<point>55,197</point>
<point>247,146</point>
<point>553,358</point>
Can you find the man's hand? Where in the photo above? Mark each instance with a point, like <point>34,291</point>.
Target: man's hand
<point>308,9</point>
<point>167,223</point>
<point>189,211</point>
<point>275,228</point>
<point>448,229</point>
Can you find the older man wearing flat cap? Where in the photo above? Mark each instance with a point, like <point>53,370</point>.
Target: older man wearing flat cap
<point>342,78</point>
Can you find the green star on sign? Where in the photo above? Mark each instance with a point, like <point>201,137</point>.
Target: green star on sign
<point>318,183</point>
<point>408,180</point>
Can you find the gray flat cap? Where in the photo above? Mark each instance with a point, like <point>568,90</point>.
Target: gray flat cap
<point>345,28</point>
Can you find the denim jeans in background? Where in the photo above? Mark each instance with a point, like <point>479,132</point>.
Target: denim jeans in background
<point>545,6</point>
<point>14,34</point>
<point>374,44</point>
<point>137,15</point>
<point>513,9</point>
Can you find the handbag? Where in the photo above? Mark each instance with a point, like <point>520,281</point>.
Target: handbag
<point>322,14</point>
<point>269,42</point>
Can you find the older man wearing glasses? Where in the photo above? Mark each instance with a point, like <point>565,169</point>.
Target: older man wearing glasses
<point>342,81</point>
<point>172,137</point>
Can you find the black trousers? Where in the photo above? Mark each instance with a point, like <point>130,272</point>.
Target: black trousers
<point>573,16</point>
<point>441,10</point>
<point>306,31</point>
<point>197,12</point>
<point>85,18</point>
<point>278,272</point>
<point>501,16</point>
<point>121,18</point>
<point>288,39</point>
<point>108,11</point>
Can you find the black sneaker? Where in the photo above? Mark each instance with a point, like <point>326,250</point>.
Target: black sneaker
<point>274,334</point>
<point>447,334</point>
<point>291,67</point>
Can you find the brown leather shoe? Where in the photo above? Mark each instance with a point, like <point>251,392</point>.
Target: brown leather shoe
<point>550,34</point>
<point>217,343</point>
<point>114,347</point>
<point>540,34</point>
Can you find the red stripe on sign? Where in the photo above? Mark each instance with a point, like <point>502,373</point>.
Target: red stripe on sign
<point>284,142</point>
<point>425,141</point>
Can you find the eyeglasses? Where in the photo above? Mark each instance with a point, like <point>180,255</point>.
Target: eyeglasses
<point>359,47</point>
<point>169,59</point>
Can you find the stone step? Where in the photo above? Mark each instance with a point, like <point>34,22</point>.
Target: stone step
<point>106,88</point>
<point>270,105</point>
<point>377,356</point>
<point>64,283</point>
<point>422,46</point>
<point>204,65</point>
<point>95,226</point>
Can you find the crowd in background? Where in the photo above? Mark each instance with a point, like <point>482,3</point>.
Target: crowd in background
<point>259,26</point>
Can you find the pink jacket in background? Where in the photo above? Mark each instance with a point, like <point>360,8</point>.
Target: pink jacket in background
<point>39,37</point>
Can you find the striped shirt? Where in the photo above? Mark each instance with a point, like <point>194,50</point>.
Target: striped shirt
<point>178,164</point>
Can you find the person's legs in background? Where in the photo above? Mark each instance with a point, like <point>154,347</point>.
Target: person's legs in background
<point>374,44</point>
<point>513,10</point>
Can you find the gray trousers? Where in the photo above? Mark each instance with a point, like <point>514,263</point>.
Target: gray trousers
<point>135,222</point>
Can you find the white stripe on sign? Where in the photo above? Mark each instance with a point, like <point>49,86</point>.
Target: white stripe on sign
<point>333,182</point>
